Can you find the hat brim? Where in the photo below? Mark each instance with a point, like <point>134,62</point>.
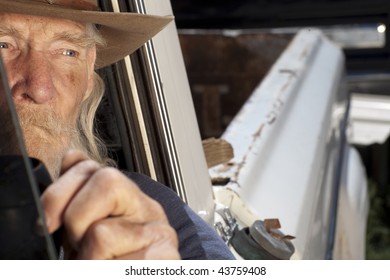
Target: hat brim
<point>123,32</point>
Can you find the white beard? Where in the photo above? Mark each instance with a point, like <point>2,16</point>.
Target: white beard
<point>46,135</point>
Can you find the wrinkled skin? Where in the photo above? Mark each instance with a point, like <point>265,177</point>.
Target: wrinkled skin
<point>104,214</point>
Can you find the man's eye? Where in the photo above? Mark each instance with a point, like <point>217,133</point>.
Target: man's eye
<point>3,45</point>
<point>71,53</point>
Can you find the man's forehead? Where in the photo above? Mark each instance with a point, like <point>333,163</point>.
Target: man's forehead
<point>25,21</point>
<point>79,4</point>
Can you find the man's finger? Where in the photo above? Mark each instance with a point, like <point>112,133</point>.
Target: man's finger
<point>115,195</point>
<point>58,195</point>
<point>158,251</point>
<point>115,238</point>
<point>71,158</point>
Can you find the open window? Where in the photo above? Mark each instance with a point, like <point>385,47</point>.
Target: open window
<point>147,117</point>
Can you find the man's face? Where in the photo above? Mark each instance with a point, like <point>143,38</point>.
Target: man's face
<point>50,66</point>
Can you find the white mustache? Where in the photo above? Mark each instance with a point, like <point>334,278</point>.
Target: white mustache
<point>32,117</point>
<point>46,135</point>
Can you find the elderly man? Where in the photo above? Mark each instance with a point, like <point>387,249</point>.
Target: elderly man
<point>50,50</point>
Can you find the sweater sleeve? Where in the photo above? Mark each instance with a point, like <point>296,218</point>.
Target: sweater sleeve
<point>197,240</point>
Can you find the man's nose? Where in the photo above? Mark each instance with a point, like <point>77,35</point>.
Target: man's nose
<point>33,78</point>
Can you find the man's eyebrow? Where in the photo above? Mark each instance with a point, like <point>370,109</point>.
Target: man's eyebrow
<point>10,31</point>
<point>81,40</point>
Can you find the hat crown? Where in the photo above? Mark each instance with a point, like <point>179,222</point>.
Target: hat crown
<point>90,5</point>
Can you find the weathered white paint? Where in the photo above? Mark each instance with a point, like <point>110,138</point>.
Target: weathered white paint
<point>285,142</point>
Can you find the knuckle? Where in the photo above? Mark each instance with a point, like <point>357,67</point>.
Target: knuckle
<point>107,181</point>
<point>156,210</point>
<point>163,231</point>
<point>97,235</point>
<point>95,243</point>
<point>108,176</point>
<point>87,166</point>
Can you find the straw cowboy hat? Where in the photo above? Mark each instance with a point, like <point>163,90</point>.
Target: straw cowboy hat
<point>123,32</point>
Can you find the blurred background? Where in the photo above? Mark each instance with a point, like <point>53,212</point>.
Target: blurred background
<point>229,46</point>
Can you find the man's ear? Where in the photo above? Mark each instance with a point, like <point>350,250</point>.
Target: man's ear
<point>91,58</point>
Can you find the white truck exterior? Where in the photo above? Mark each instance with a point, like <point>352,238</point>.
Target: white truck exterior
<point>287,142</point>
<point>291,161</point>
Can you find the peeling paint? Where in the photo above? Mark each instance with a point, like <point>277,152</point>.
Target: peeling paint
<point>256,136</point>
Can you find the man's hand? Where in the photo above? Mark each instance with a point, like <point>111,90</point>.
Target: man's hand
<point>105,215</point>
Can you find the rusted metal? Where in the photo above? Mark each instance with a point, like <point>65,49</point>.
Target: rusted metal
<point>271,224</point>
